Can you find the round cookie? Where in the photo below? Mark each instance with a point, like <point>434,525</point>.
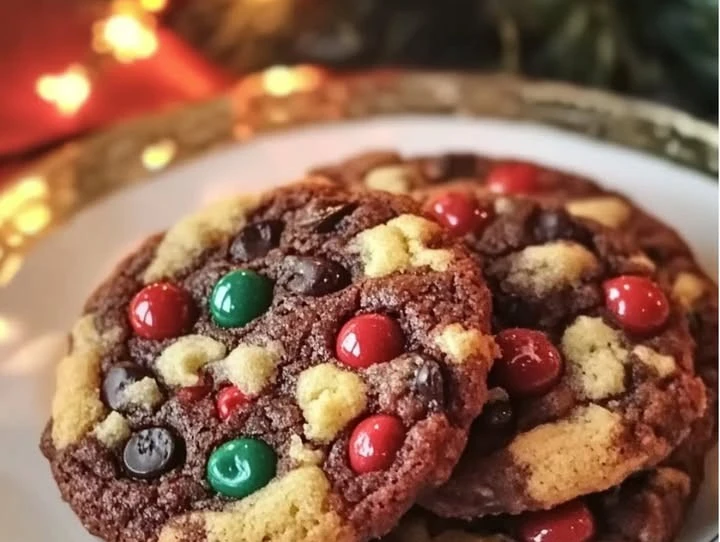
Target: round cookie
<point>597,377</point>
<point>648,506</point>
<point>296,366</point>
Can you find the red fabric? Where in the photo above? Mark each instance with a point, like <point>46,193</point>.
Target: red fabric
<point>45,36</point>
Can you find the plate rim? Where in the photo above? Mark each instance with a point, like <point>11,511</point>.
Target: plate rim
<point>60,185</point>
<point>715,538</point>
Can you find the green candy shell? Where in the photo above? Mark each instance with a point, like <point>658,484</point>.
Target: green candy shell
<point>239,297</point>
<point>240,467</point>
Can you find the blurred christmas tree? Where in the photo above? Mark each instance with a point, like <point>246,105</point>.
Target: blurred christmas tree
<point>661,49</point>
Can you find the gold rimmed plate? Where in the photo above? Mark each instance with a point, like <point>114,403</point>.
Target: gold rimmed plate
<point>66,221</point>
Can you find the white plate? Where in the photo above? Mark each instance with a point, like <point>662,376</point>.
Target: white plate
<point>40,304</point>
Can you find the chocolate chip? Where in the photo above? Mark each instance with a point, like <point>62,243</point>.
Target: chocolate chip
<point>497,415</point>
<point>117,379</point>
<point>428,384</point>
<point>151,452</point>
<point>326,219</point>
<point>695,322</point>
<point>452,166</point>
<point>551,225</point>
<point>314,276</point>
<point>256,240</point>
<point>657,254</point>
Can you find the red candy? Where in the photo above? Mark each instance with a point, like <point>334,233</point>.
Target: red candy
<point>161,311</point>
<point>368,339</point>
<point>229,400</point>
<point>375,442</point>
<point>570,522</point>
<point>530,363</point>
<point>638,304</point>
<point>458,212</point>
<point>513,178</point>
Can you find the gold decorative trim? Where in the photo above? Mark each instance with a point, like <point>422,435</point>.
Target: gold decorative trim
<point>70,179</point>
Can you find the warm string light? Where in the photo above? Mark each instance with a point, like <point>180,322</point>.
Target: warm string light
<point>67,91</point>
<point>153,6</point>
<point>128,33</point>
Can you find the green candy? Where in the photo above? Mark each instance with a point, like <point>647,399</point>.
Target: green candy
<point>239,297</point>
<point>240,467</point>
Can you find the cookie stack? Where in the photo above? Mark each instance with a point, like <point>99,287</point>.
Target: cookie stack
<point>513,350</point>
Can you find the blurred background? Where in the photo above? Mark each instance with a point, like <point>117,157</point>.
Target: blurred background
<point>70,67</point>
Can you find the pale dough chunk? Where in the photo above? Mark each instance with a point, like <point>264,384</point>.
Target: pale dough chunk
<point>688,288</point>
<point>399,244</point>
<point>293,508</point>
<point>113,430</point>
<point>76,406</point>
<point>575,456</point>
<point>250,367</point>
<point>144,393</point>
<point>329,398</point>
<point>303,454</point>
<point>642,260</point>
<point>393,179</point>
<point>180,362</point>
<point>664,365</point>
<point>187,239</point>
<point>546,268</point>
<point>459,343</point>
<point>595,358</point>
<point>609,211</point>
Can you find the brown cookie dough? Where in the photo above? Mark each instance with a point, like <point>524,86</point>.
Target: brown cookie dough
<point>583,398</point>
<point>296,366</point>
<point>648,506</point>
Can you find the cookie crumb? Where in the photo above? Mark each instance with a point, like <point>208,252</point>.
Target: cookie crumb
<point>399,244</point>
<point>542,269</point>
<point>144,393</point>
<point>688,288</point>
<point>596,358</point>
<point>393,179</point>
<point>664,365</point>
<point>329,398</point>
<point>609,211</point>
<point>113,430</point>
<point>459,343</point>
<point>181,361</point>
<point>250,367</point>
<point>641,260</point>
<point>304,454</point>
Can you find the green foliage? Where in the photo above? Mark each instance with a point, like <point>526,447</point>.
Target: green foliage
<point>661,49</point>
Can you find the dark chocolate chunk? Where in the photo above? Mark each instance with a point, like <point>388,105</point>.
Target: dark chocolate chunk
<point>314,276</point>
<point>326,219</point>
<point>256,240</point>
<point>497,415</point>
<point>151,452</point>
<point>117,379</point>
<point>454,165</point>
<point>428,384</point>
<point>554,224</point>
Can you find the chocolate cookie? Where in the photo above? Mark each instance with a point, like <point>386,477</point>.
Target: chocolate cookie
<point>296,367</point>
<point>648,506</point>
<point>597,378</point>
